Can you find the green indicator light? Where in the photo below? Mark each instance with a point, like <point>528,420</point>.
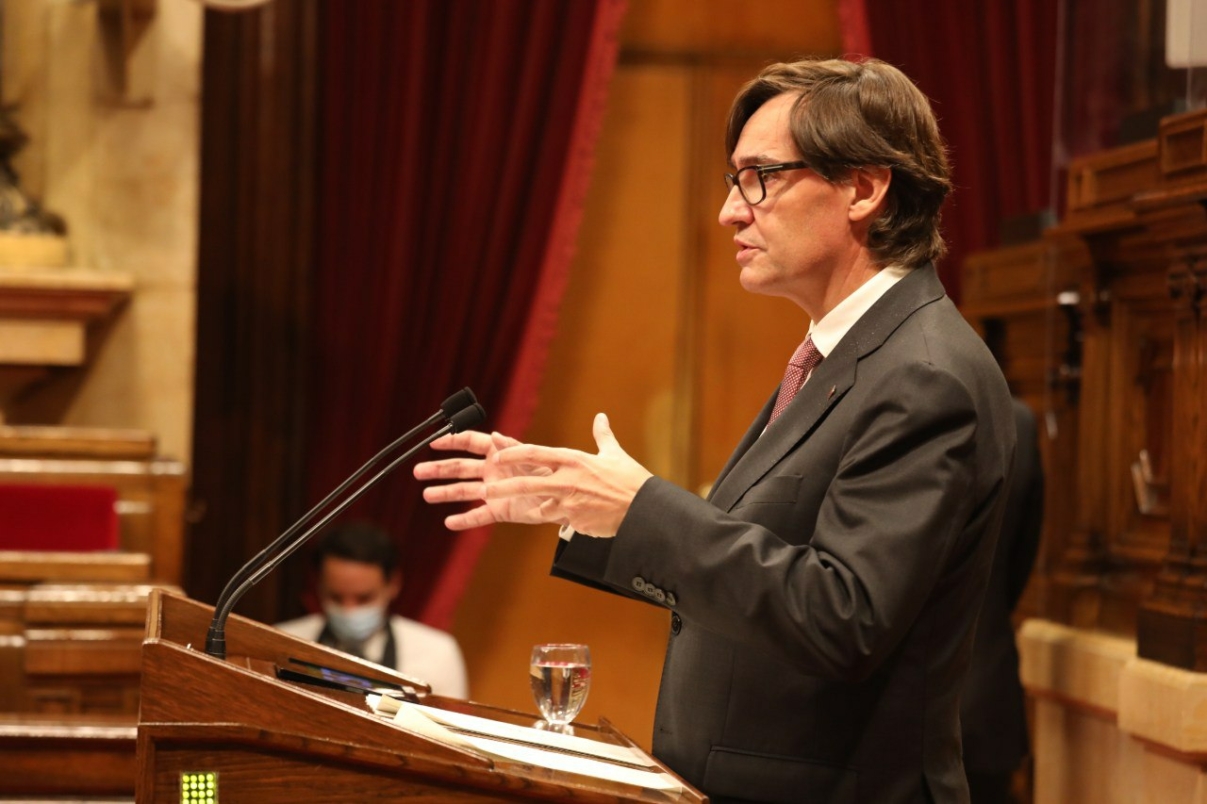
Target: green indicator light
<point>199,787</point>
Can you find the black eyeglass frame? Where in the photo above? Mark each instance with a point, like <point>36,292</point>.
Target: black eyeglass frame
<point>734,179</point>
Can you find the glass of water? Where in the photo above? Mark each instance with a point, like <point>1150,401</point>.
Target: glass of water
<point>560,676</point>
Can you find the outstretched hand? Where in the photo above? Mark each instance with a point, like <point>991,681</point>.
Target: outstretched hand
<point>531,484</point>
<point>481,469</point>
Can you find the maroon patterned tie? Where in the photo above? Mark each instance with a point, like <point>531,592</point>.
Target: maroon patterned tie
<point>803,361</point>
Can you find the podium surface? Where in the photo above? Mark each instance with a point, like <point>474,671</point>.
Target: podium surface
<point>234,726</point>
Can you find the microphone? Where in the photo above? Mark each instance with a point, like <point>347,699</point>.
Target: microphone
<point>461,412</point>
<point>454,404</point>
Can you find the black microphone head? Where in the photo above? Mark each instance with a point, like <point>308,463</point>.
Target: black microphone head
<point>458,401</point>
<point>467,417</point>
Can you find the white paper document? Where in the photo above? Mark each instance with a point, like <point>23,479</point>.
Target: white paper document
<point>542,749</point>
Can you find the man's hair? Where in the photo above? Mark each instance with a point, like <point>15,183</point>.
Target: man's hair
<point>863,114</point>
<point>361,542</point>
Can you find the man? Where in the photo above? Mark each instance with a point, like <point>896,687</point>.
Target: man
<point>824,597</point>
<point>992,706</point>
<point>358,578</point>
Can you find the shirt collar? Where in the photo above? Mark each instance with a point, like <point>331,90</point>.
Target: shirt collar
<point>830,329</point>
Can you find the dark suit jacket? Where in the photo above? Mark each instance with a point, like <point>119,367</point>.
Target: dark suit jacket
<point>992,711</point>
<point>824,597</point>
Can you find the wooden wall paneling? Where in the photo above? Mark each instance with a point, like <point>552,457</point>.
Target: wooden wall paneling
<point>1100,217</point>
<point>1193,395</point>
<point>1018,298</point>
<point>1101,187</point>
<point>1138,426</point>
<point>1171,627</point>
<point>718,30</point>
<point>1076,598</point>
<point>1171,624</point>
<point>1140,416</point>
<point>1134,560</point>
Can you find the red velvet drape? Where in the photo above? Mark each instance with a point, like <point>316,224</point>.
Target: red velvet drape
<point>990,71</point>
<point>456,142</point>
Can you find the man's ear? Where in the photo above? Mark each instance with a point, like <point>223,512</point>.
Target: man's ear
<point>394,584</point>
<point>870,185</point>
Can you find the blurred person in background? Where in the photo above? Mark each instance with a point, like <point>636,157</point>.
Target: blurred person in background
<point>358,578</point>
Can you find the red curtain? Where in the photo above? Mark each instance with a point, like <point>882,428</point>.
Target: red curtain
<point>990,71</point>
<point>455,148</point>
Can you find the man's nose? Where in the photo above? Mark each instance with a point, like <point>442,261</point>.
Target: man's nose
<point>735,209</point>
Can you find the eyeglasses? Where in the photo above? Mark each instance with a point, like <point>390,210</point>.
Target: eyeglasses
<point>749,180</point>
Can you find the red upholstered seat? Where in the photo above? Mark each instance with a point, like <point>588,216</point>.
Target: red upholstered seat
<point>58,517</point>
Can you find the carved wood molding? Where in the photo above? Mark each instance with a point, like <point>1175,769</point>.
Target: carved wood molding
<point>1133,554</point>
<point>1101,187</point>
<point>80,296</point>
<point>1142,211</point>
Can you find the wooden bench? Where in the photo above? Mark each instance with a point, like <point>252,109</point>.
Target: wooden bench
<point>150,488</point>
<point>91,759</point>
<point>71,631</point>
<point>72,624</point>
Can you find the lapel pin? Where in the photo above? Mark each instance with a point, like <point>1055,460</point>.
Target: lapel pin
<point>833,388</point>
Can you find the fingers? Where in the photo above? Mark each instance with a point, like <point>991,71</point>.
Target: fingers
<point>473,518</point>
<point>449,469</point>
<point>455,492</point>
<point>524,486</point>
<point>605,439</point>
<point>550,511</point>
<point>532,455</point>
<point>456,468</point>
<point>465,441</point>
<point>501,441</point>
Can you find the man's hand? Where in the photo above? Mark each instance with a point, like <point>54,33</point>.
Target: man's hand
<point>515,509</point>
<point>529,484</point>
<point>590,493</point>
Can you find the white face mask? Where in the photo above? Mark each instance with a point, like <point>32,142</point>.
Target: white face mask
<point>355,625</point>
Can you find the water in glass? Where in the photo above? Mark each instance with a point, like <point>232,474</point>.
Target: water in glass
<point>560,676</point>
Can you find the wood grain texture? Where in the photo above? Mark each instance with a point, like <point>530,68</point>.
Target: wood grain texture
<point>267,738</point>
<point>47,756</point>
<point>33,567</point>
<point>150,489</point>
<point>1119,555</point>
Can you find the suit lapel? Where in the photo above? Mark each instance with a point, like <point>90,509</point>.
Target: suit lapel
<point>758,452</point>
<point>752,436</point>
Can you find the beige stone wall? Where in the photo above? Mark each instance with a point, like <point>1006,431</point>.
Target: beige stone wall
<point>1111,728</point>
<point>113,124</point>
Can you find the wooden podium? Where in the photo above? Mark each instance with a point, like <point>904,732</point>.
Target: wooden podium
<point>270,741</point>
